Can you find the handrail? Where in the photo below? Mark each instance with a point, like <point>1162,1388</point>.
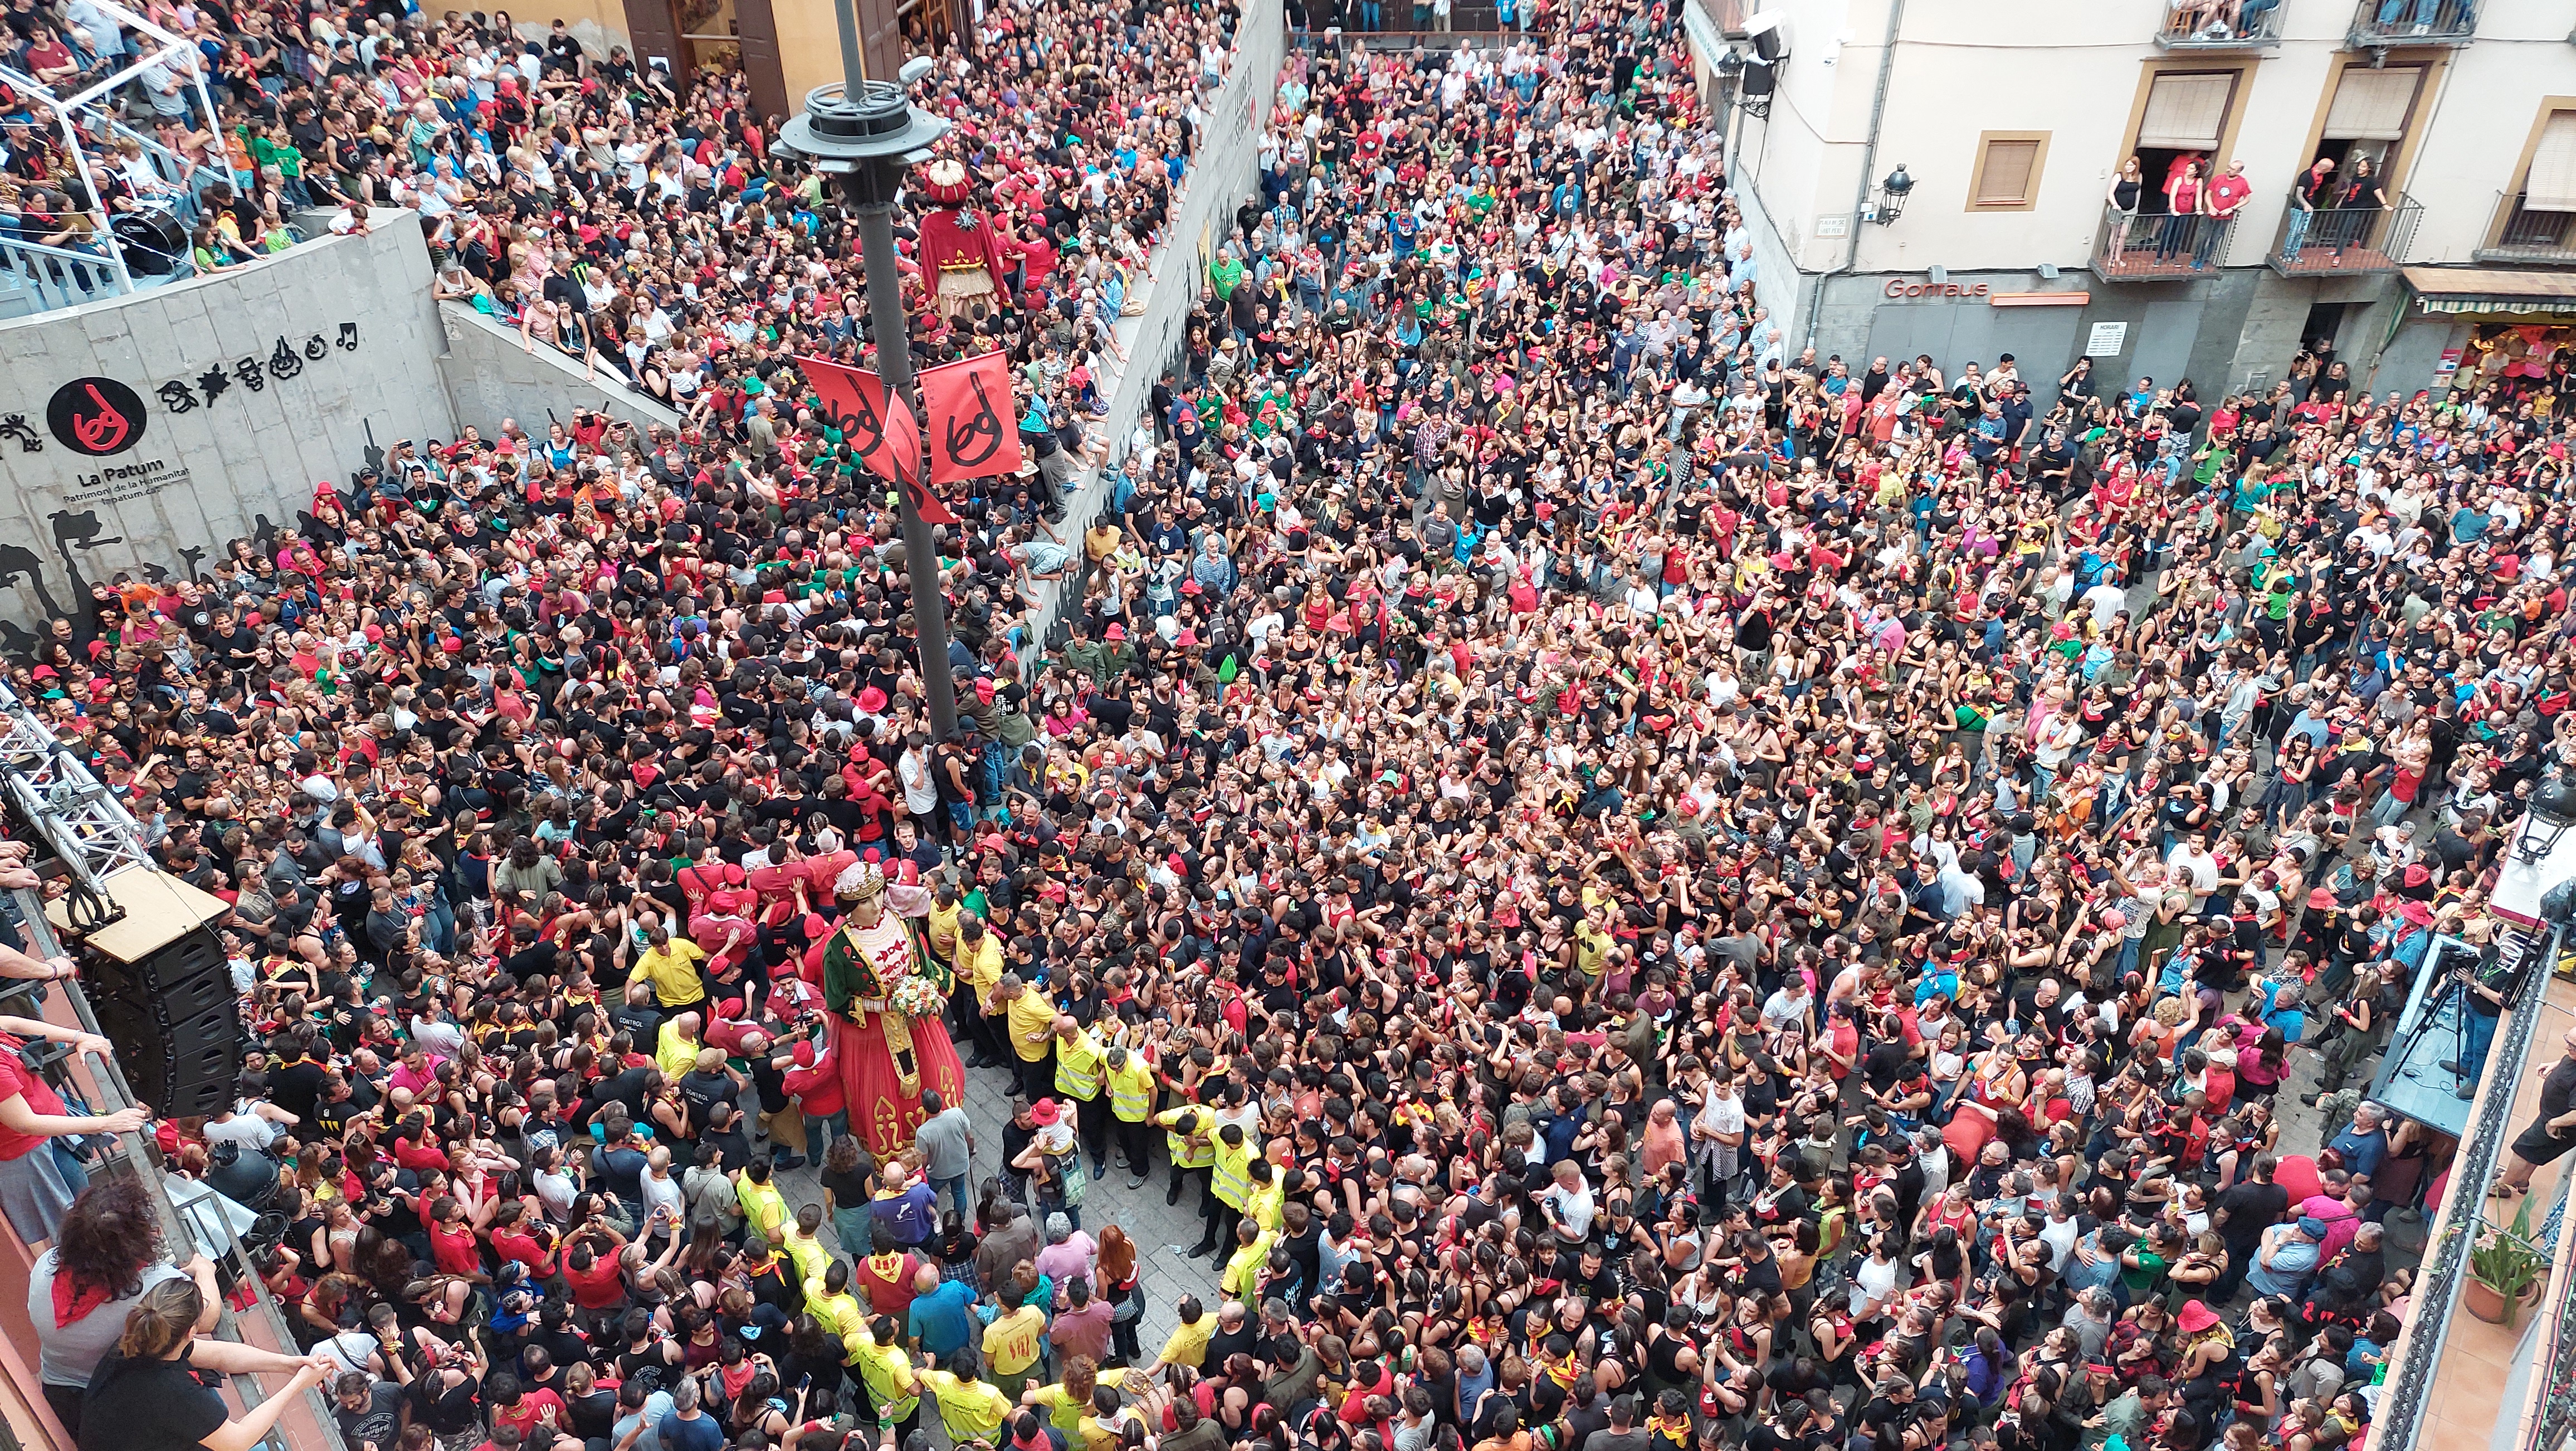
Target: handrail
<point>60,277</point>
<point>2549,1411</point>
<point>190,174</point>
<point>2398,1418</point>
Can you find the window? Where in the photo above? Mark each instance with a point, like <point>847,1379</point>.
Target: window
<point>2372,105</point>
<point>2007,174</point>
<point>2550,184</point>
<point>2187,111</point>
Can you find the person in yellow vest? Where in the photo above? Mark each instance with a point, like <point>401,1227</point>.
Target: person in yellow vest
<point>971,1407</point>
<point>1229,1185</point>
<point>1068,1400</point>
<point>885,1374</point>
<point>1242,1278</point>
<point>1079,1064</point>
<point>1029,1019</point>
<point>1131,1103</point>
<point>1013,1342</point>
<point>979,971</point>
<point>840,1313</point>
<point>1185,1134</point>
<point>763,1207</point>
<point>802,1242</point>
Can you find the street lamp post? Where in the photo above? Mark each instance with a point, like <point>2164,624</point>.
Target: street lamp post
<point>868,134</point>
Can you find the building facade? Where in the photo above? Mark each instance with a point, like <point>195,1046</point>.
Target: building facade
<point>2438,240</point>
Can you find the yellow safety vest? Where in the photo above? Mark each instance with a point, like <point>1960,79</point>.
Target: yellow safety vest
<point>1131,1091</point>
<point>1077,1066</point>
<point>887,1373</point>
<point>1232,1177</point>
<point>1190,1151</point>
<point>763,1205</point>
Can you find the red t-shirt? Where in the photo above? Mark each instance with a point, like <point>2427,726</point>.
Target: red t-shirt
<point>2227,193</point>
<point>17,1082</point>
<point>453,1247</point>
<point>599,1288</point>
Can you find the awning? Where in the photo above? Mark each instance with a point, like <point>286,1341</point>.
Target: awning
<point>2488,289</point>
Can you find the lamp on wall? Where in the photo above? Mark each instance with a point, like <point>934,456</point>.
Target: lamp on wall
<point>2552,815</point>
<point>1892,194</point>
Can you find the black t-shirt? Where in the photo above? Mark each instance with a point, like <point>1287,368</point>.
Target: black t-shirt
<point>147,1403</point>
<point>2251,1209</point>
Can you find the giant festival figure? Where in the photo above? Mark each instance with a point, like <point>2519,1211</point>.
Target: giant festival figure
<point>885,996</point>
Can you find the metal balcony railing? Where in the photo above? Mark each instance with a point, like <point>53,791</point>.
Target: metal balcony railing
<point>2220,24</point>
<point>2414,22</point>
<point>2345,241</point>
<point>2150,247</point>
<point>2522,234</point>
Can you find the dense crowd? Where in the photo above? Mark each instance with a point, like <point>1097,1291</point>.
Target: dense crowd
<point>1653,890</point>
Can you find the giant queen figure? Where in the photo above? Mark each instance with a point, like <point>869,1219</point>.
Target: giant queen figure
<point>885,996</point>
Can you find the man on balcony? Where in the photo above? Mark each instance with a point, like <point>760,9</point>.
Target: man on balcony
<point>2221,200</point>
<point>2314,188</point>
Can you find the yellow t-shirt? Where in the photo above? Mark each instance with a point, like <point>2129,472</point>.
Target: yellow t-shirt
<point>972,1410</point>
<point>672,969</point>
<point>1064,1412</point>
<point>1188,1344</point>
<point>1032,1025</point>
<point>842,1314</point>
<point>673,1054</point>
<point>1243,1272</point>
<point>981,967</point>
<point>940,930</point>
<point>1012,1342</point>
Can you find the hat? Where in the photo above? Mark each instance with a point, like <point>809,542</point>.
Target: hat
<point>984,691</point>
<point>2197,1317</point>
<point>2309,1225</point>
<point>1116,631</point>
<point>1044,1111</point>
<point>805,1054</point>
<point>872,700</point>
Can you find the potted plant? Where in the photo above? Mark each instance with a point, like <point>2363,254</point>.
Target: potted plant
<point>2505,1270</point>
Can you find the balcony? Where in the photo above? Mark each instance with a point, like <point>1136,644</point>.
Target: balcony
<point>2384,23</point>
<point>2344,243</point>
<point>2524,234</point>
<point>2150,248</point>
<point>2220,25</point>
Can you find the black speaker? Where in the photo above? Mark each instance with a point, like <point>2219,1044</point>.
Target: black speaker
<point>1768,45</point>
<point>1758,79</point>
<point>172,1016</point>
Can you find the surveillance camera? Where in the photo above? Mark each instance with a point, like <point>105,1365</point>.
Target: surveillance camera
<point>917,70</point>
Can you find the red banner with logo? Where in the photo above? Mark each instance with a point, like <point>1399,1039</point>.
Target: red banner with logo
<point>973,434</point>
<point>878,426</point>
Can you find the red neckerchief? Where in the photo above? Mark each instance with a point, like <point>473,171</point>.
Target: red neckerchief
<point>73,1301</point>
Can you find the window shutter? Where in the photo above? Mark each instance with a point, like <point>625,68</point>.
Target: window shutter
<point>2550,185</point>
<point>2371,105</point>
<point>2186,112</point>
<point>2004,181</point>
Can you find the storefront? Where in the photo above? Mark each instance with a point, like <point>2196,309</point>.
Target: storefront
<point>2468,328</point>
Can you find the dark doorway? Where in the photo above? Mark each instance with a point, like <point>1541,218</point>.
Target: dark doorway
<point>2323,330</point>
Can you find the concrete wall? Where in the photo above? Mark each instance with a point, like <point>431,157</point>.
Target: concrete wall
<point>489,379</point>
<point>1226,170</point>
<point>2225,330</point>
<point>191,473</point>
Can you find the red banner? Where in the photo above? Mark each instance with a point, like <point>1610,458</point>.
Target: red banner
<point>878,426</point>
<point>973,434</point>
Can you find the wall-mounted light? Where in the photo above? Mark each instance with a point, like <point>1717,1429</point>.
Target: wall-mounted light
<point>2552,815</point>
<point>1892,194</point>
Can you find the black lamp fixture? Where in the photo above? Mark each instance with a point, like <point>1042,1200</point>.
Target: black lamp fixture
<point>2552,816</point>
<point>1892,194</point>
<point>1730,63</point>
